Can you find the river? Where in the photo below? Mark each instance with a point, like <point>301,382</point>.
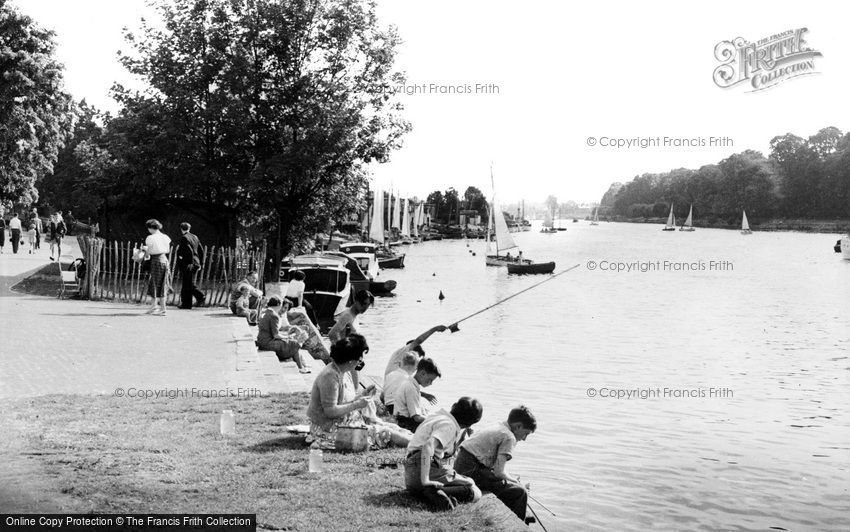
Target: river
<point>704,386</point>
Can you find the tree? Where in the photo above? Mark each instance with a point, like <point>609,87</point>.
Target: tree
<point>437,202</point>
<point>34,110</point>
<point>275,107</point>
<point>451,199</point>
<point>552,204</point>
<point>475,201</point>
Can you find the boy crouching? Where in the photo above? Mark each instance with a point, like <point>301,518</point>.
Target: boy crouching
<point>427,467</point>
<point>483,457</point>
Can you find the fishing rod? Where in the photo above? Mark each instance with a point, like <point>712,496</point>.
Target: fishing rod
<point>543,505</point>
<point>536,517</point>
<point>454,326</point>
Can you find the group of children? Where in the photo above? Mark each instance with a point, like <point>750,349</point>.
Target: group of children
<point>445,463</point>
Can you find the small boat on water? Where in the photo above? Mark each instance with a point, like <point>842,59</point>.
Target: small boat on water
<point>498,232</point>
<point>364,254</point>
<point>671,221</point>
<point>548,225</point>
<point>327,285</point>
<point>595,220</point>
<point>689,223</point>
<point>527,267</point>
<point>389,259</point>
<point>837,246</point>
<point>745,225</point>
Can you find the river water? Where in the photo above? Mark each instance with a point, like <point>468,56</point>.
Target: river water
<point>729,354</point>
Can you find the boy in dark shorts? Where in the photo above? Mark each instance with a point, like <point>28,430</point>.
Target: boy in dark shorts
<point>483,457</point>
<point>427,467</point>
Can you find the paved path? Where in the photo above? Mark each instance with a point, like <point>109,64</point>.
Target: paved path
<point>49,346</point>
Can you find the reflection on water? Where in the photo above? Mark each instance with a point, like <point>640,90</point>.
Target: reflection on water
<point>768,331</point>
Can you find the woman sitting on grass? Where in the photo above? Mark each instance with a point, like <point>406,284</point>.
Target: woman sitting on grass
<point>335,402</point>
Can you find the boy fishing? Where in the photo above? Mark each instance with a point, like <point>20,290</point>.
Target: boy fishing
<point>483,457</point>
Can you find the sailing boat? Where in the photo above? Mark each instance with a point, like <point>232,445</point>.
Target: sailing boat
<point>595,220</point>
<point>671,221</point>
<point>560,216</point>
<point>548,224</point>
<point>689,223</point>
<point>745,225</point>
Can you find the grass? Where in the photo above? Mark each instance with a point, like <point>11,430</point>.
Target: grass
<point>44,282</point>
<point>103,454</point>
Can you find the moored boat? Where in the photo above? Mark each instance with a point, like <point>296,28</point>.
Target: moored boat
<point>327,284</point>
<point>595,220</point>
<point>528,267</point>
<point>390,260</point>
<point>365,254</point>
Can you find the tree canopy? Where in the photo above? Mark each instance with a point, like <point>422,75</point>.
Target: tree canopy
<point>34,109</point>
<point>808,178</point>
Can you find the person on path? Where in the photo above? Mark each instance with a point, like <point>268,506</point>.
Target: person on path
<point>157,246</point>
<point>190,257</point>
<point>2,229</point>
<point>39,227</point>
<point>15,232</point>
<point>57,231</point>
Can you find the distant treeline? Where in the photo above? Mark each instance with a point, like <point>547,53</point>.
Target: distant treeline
<point>801,178</point>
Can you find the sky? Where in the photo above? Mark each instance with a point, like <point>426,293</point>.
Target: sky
<point>535,80</point>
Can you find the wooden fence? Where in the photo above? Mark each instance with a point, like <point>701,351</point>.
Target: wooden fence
<point>112,274</point>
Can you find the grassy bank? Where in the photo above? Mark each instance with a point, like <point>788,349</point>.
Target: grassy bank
<point>44,282</point>
<point>107,454</point>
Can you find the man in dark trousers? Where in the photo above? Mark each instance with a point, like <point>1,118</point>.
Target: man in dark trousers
<point>190,256</point>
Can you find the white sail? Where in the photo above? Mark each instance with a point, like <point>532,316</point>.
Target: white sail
<point>417,216</point>
<point>397,213</point>
<point>689,222</point>
<point>376,232</point>
<point>547,220</point>
<point>504,240</point>
<point>405,223</point>
<point>596,214</point>
<point>671,220</point>
<point>745,225</point>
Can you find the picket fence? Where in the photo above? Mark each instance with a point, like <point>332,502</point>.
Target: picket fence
<point>112,274</point>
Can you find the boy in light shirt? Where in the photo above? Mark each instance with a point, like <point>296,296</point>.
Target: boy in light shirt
<point>427,467</point>
<point>409,406</point>
<point>483,457</point>
<point>394,379</point>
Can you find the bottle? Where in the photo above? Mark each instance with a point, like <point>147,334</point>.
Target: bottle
<point>315,460</point>
<point>227,423</point>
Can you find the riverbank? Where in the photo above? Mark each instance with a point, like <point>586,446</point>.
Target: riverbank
<point>105,454</point>
<point>784,224</point>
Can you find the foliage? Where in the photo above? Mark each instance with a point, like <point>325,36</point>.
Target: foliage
<point>801,178</point>
<point>34,109</point>
<point>474,200</point>
<point>552,204</point>
<point>274,108</point>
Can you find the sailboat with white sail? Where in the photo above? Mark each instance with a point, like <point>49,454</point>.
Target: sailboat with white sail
<point>745,225</point>
<point>689,222</point>
<point>671,221</point>
<point>595,220</point>
<point>548,224</point>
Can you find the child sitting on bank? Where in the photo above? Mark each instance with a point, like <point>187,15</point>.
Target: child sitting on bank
<point>409,406</point>
<point>395,379</point>
<point>483,457</point>
<point>243,306</point>
<point>427,467</point>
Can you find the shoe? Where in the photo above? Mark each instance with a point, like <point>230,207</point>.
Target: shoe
<point>154,310</point>
<point>439,499</point>
<point>181,307</point>
<point>530,520</point>
<point>305,370</point>
<point>160,313</point>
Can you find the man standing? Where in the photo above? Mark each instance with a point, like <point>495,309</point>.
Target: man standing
<point>190,256</point>
<point>15,230</point>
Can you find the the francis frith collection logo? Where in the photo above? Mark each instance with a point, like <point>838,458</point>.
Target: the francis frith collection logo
<point>765,63</point>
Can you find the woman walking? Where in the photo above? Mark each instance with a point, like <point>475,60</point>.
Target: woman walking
<point>157,245</point>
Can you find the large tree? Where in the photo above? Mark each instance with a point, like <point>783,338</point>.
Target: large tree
<point>34,109</point>
<point>272,106</point>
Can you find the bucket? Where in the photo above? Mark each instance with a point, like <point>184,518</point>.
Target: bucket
<point>353,439</point>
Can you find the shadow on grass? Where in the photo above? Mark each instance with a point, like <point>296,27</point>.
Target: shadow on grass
<point>397,498</point>
<point>226,314</point>
<point>294,441</point>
